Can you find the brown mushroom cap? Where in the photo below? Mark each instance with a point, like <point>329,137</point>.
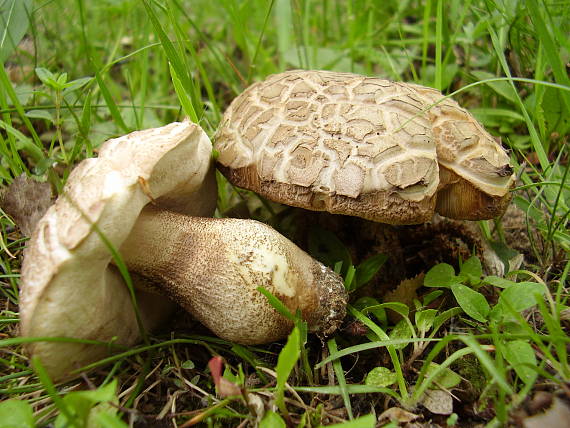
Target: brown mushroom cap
<point>68,287</point>
<point>361,146</point>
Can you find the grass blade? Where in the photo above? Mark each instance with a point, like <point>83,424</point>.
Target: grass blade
<point>438,46</point>
<point>177,63</point>
<point>339,372</point>
<point>551,49</point>
<point>285,363</point>
<point>52,392</point>
<point>182,95</point>
<point>113,109</point>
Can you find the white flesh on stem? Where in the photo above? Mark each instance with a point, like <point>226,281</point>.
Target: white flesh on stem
<point>213,267</point>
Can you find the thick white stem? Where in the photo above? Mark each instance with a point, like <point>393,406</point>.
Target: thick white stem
<point>213,267</point>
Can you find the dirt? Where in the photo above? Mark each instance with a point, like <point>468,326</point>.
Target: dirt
<point>411,250</point>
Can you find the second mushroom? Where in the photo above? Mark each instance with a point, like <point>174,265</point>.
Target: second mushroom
<point>71,289</point>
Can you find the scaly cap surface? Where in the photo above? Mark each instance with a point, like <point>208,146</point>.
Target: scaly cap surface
<point>355,145</point>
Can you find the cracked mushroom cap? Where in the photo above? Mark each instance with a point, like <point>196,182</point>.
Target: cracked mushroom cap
<point>69,287</point>
<point>362,146</point>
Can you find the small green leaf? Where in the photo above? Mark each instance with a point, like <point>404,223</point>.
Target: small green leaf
<point>40,114</point>
<point>15,19</point>
<point>471,270</point>
<point>425,319</point>
<point>188,365</point>
<point>430,297</point>
<point>446,378</point>
<point>285,362</point>
<point>444,316</point>
<point>380,376</point>
<point>24,93</point>
<point>498,282</point>
<point>76,84</point>
<point>368,421</point>
<point>521,295</point>
<point>272,420</point>
<point>400,308</point>
<point>472,302</point>
<point>520,355</point>
<point>108,419</point>
<point>62,80</point>
<point>46,76</point>
<point>441,275</point>
<point>511,326</point>
<point>238,378</point>
<point>401,331</point>
<point>16,414</point>
<point>365,302</point>
<point>452,420</point>
<point>82,405</point>
<point>368,268</point>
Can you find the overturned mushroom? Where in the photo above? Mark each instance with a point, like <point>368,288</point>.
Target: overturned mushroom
<point>349,144</point>
<point>69,287</point>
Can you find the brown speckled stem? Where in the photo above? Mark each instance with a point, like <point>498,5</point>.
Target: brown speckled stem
<point>213,267</point>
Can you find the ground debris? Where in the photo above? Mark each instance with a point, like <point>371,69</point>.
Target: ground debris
<point>26,201</point>
<point>557,416</point>
<point>396,414</point>
<point>438,402</point>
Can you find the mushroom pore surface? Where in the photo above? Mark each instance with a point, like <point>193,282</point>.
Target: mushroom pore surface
<point>213,267</point>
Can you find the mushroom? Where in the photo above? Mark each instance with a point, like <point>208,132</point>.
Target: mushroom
<point>363,146</point>
<point>212,267</point>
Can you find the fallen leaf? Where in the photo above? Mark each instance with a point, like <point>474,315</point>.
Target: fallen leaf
<point>224,386</point>
<point>541,401</point>
<point>447,378</point>
<point>395,414</point>
<point>438,402</point>
<point>405,292</point>
<point>26,201</point>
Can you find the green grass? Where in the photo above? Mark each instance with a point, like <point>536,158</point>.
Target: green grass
<point>77,73</point>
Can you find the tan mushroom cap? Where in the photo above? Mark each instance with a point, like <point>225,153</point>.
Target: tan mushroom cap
<point>68,287</point>
<point>362,146</point>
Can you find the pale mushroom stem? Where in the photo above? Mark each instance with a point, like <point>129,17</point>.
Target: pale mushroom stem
<point>213,267</point>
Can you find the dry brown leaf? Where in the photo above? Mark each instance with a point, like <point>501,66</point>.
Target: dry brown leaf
<point>438,402</point>
<point>395,414</point>
<point>26,200</point>
<point>405,293</point>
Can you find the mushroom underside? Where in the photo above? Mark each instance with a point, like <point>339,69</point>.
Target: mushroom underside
<point>459,199</point>
<point>456,198</point>
<point>381,206</point>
